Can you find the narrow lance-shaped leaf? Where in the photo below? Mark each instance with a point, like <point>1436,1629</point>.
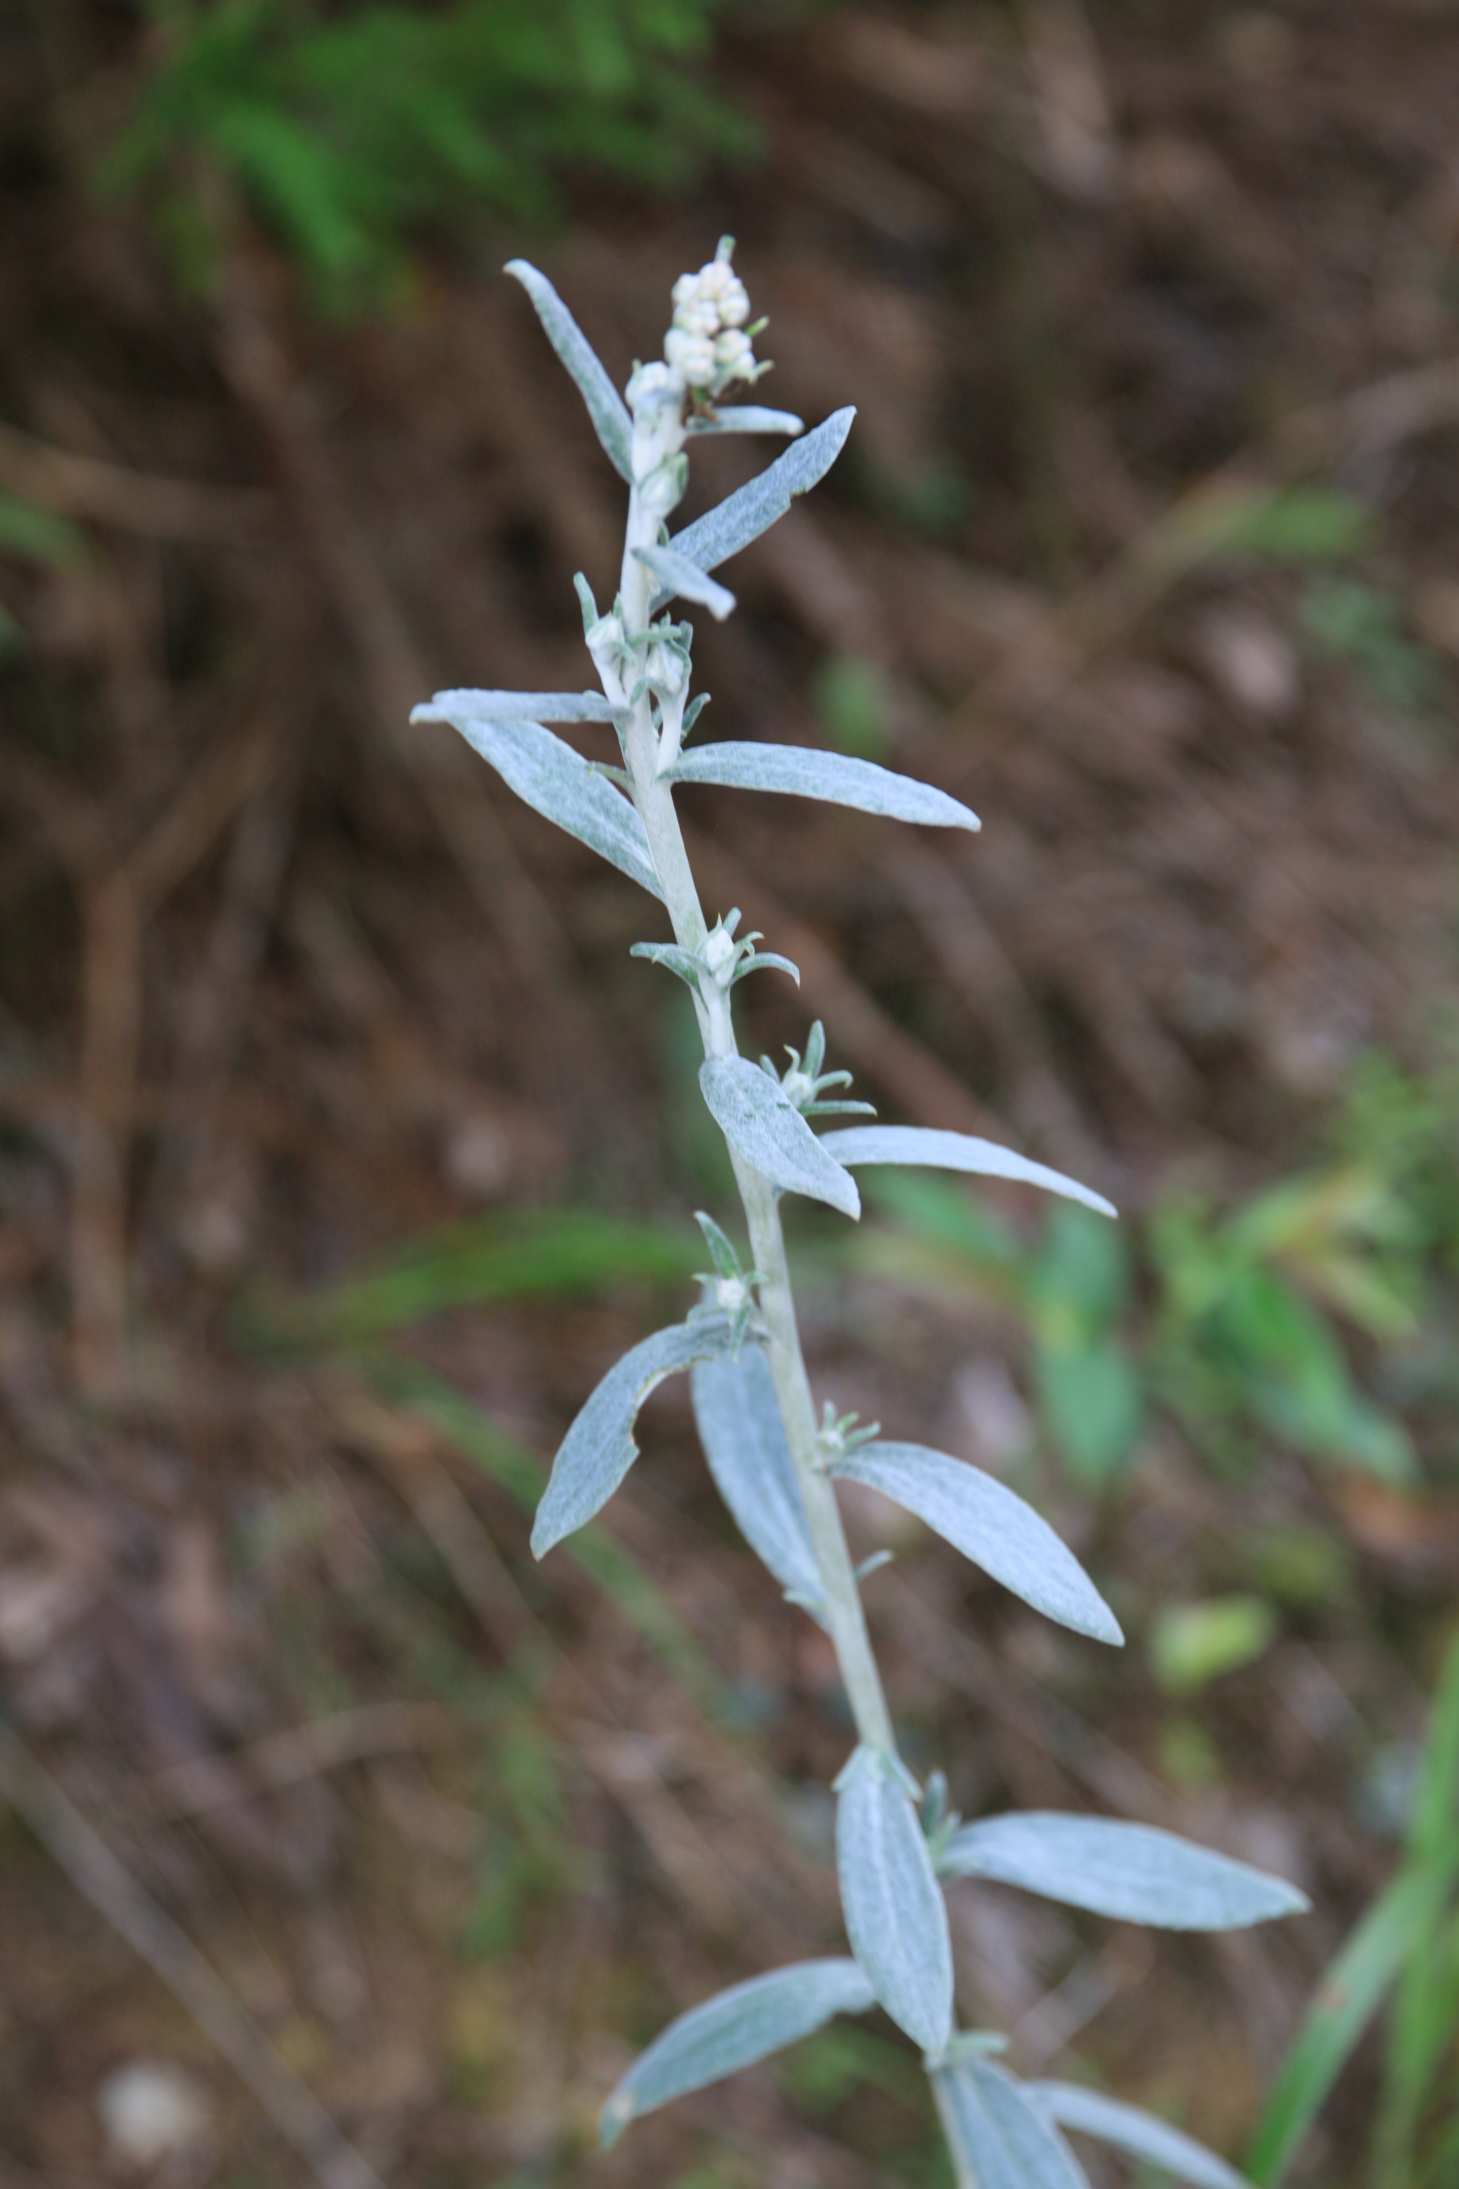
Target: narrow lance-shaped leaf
<point>764,1128</point>
<point>748,418</point>
<point>1003,2137</point>
<point>606,406</point>
<point>1134,1872</point>
<point>742,516</point>
<point>800,771</point>
<point>477,706</point>
<point>1130,2128</point>
<point>989,1524</point>
<point>685,578</point>
<point>599,1448</point>
<point>744,1442</point>
<point>747,2023</point>
<point>949,1151</point>
<point>896,1917</point>
<point>557,783</point>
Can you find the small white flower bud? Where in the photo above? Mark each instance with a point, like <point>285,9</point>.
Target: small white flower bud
<point>685,288</point>
<point>666,669</point>
<point>800,1087</point>
<point>698,317</point>
<point>734,303</point>
<point>732,351</point>
<point>731,1295</point>
<point>690,354</point>
<point>655,386</point>
<point>715,279</point>
<point>720,954</point>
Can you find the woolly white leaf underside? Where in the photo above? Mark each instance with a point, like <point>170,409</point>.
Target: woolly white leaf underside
<point>1004,2137</point>
<point>599,1448</point>
<point>605,406</point>
<point>896,1917</point>
<point>767,1131</point>
<point>740,1428</point>
<point>681,575</point>
<point>989,1524</point>
<point>920,1145</point>
<point>799,771</point>
<point>474,706</point>
<point>742,516</point>
<point>558,783</point>
<point>1129,2128</point>
<point>747,2023</point>
<point>1135,1873</point>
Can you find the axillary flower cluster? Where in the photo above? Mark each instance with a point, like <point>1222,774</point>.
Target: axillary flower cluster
<point>900,1846</point>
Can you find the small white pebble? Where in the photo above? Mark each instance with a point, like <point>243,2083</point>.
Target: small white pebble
<point>150,2111</point>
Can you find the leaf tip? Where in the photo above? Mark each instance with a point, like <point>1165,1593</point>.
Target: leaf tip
<point>613,2119</point>
<point>1105,1627</point>
<point>848,1199</point>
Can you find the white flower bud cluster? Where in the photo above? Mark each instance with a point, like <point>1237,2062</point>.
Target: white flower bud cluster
<point>708,345</point>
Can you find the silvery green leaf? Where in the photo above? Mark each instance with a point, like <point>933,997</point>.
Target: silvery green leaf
<point>801,771</point>
<point>515,707</point>
<point>989,1524</point>
<point>599,1449</point>
<point>896,1917</point>
<point>743,1436</point>
<point>557,783</point>
<point>692,713</point>
<point>606,406</point>
<point>754,507</point>
<point>1130,2128</point>
<point>765,1128</point>
<point>1002,2137</point>
<point>767,961</point>
<point>722,1251</point>
<point>954,1152</point>
<point>669,954</point>
<point>685,578</point>
<point>748,418</point>
<point>586,602</point>
<point>747,2023</point>
<point>1134,1872</point>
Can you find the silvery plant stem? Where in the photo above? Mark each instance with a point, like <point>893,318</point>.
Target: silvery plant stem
<point>964,2175</point>
<point>653,797</point>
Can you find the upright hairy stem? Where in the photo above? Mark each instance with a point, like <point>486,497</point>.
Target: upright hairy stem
<point>653,797</point>
<point>894,1855</point>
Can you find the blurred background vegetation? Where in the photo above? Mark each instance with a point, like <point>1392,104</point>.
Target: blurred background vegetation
<point>341,1145</point>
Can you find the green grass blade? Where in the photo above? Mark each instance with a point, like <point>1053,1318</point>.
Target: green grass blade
<point>1426,2009</point>
<point>1350,1995</point>
<point>532,1254</point>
